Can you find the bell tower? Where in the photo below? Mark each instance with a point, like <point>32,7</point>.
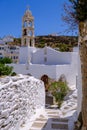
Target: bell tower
<point>27,39</point>
<point>27,29</point>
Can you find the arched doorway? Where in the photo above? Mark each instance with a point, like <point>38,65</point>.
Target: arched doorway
<point>48,98</point>
<point>45,78</point>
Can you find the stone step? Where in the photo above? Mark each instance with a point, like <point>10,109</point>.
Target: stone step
<point>41,119</point>
<point>60,120</point>
<point>38,125</point>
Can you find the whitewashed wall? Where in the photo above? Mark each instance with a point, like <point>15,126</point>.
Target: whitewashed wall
<point>53,71</point>
<point>25,53</point>
<point>20,96</point>
<point>60,65</point>
<point>53,57</point>
<point>37,56</point>
<point>36,70</point>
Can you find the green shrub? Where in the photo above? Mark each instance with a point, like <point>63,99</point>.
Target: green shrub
<point>13,74</point>
<point>5,60</point>
<point>59,90</point>
<point>5,70</point>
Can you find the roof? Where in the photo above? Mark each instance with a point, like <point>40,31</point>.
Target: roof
<point>2,42</point>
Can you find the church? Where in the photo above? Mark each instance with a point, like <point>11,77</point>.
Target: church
<point>43,61</point>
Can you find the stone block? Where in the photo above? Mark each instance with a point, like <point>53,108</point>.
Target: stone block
<point>59,126</point>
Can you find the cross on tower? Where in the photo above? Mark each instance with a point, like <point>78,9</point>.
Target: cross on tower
<point>28,7</point>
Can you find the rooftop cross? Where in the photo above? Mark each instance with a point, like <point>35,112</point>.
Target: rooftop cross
<point>28,7</point>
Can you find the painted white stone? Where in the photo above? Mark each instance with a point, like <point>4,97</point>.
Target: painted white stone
<point>19,100</point>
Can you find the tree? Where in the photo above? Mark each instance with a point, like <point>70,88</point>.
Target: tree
<point>78,16</point>
<point>74,13</point>
<point>59,90</point>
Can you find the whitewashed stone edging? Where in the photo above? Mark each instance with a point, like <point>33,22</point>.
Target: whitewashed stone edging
<point>20,96</point>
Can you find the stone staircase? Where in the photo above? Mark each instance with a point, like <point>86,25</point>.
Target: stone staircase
<point>50,121</point>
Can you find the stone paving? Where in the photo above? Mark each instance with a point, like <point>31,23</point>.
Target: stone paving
<point>51,121</point>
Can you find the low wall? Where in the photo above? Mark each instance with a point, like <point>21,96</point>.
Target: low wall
<point>20,96</point>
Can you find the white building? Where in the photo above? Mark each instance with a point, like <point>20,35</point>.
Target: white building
<point>9,51</point>
<point>2,45</point>
<point>12,51</point>
<point>7,39</point>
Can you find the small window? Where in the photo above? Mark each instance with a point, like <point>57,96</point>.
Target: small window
<point>45,59</point>
<point>24,32</point>
<point>14,57</point>
<point>2,48</point>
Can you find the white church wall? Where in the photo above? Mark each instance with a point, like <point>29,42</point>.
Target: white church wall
<point>69,70</point>
<point>53,71</point>
<point>38,57</point>
<point>69,73</point>
<point>56,57</point>
<point>39,70</point>
<point>53,57</point>
<point>25,53</point>
<point>35,69</point>
<point>57,64</point>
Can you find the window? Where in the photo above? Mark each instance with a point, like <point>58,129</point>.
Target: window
<point>45,59</point>
<point>24,32</point>
<point>16,57</point>
<point>2,48</point>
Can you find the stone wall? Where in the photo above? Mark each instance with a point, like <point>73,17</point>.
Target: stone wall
<point>20,96</point>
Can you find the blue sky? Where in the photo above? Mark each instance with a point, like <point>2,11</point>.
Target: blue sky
<point>47,14</point>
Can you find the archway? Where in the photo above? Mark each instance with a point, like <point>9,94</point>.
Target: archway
<point>45,79</point>
<point>48,98</point>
